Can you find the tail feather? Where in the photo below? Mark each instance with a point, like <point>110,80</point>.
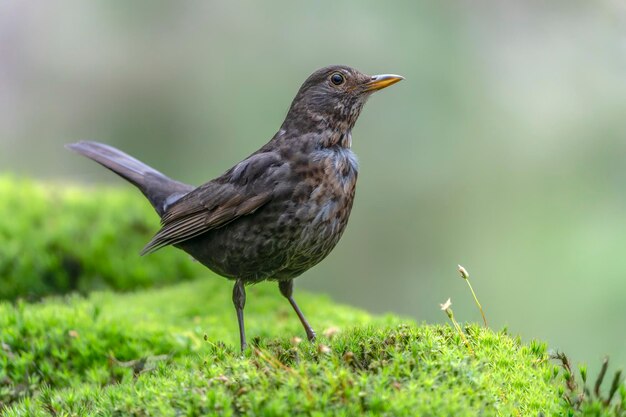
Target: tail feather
<point>160,190</point>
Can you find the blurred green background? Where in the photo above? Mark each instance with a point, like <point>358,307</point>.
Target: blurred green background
<point>504,150</point>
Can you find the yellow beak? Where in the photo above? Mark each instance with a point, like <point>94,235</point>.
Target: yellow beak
<point>378,82</point>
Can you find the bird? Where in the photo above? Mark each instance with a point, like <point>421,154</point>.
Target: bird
<point>278,212</point>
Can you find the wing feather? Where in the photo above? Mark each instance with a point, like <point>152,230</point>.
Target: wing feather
<point>239,192</point>
<point>187,226</point>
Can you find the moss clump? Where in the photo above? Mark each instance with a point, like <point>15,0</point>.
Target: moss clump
<point>146,354</point>
<point>57,239</point>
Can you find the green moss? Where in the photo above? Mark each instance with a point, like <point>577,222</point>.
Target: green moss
<point>146,354</point>
<point>57,239</point>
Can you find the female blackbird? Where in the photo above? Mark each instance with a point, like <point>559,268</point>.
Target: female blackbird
<point>278,212</point>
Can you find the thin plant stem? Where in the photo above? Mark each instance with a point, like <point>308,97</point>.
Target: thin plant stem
<point>482,313</point>
<point>465,276</point>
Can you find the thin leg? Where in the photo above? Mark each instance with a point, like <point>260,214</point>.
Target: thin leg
<point>286,289</point>
<point>239,300</point>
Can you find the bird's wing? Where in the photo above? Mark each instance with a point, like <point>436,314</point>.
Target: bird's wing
<point>240,191</point>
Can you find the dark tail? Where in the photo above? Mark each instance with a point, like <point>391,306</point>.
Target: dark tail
<point>159,189</point>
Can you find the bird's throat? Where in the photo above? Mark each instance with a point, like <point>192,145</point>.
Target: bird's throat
<point>334,137</point>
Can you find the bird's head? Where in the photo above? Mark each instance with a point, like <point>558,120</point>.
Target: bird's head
<point>332,98</point>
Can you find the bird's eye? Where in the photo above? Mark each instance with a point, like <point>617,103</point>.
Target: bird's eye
<point>337,78</point>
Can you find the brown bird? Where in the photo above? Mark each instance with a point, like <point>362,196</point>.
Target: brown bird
<point>278,212</point>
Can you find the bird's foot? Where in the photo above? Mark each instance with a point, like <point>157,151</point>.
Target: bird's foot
<point>310,334</point>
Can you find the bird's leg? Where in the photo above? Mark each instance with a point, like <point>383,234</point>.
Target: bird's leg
<point>286,289</point>
<point>239,300</point>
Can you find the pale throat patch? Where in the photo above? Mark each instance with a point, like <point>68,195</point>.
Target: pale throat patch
<point>348,139</point>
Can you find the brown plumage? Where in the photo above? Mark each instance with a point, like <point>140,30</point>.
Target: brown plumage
<point>278,212</point>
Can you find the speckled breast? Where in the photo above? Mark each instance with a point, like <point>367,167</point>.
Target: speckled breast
<point>291,233</point>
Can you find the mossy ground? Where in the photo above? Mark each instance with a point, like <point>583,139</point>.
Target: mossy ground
<point>171,350</point>
<point>58,239</point>
<point>146,354</point>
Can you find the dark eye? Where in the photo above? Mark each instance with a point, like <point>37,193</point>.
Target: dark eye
<point>337,79</point>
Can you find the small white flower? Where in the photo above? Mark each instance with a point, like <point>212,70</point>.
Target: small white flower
<point>463,272</point>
